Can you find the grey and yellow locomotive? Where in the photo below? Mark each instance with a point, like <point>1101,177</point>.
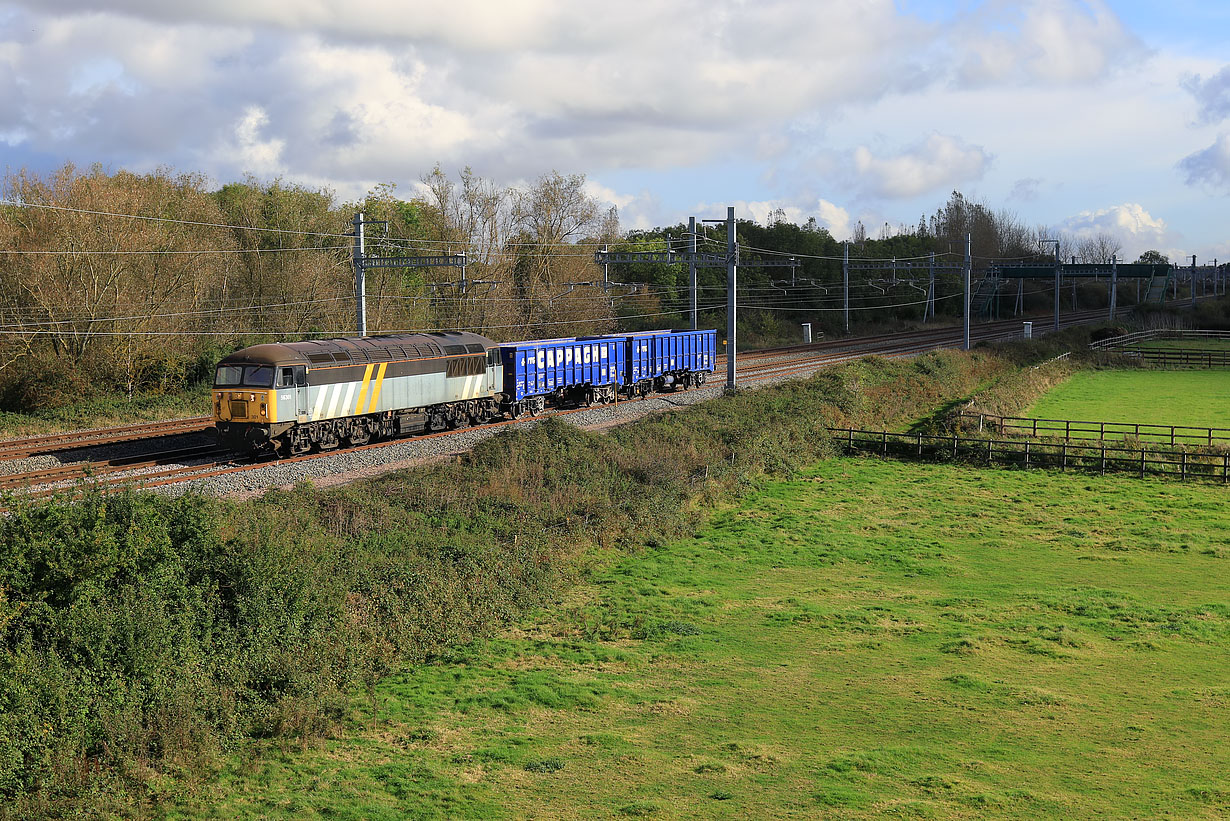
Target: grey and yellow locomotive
<point>296,396</point>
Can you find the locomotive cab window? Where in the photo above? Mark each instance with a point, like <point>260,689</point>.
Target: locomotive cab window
<point>286,377</point>
<point>258,376</point>
<point>229,376</point>
<point>300,375</point>
<point>249,376</point>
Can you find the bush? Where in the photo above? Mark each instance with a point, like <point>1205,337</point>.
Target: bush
<point>1107,332</point>
<point>41,381</point>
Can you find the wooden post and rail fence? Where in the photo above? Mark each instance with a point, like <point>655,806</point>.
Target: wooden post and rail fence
<point>1166,451</point>
<point>1130,345</point>
<point>1165,462</point>
<point>1142,432</point>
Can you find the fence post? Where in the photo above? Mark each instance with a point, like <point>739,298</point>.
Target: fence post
<point>850,440</point>
<point>1225,468</point>
<point>989,441</point>
<point>920,444</point>
<point>1172,436</point>
<point>1103,457</point>
<point>1183,467</point>
<point>1063,465</point>
<point>1142,463</point>
<point>884,442</point>
<point>1027,455</point>
<point>980,418</point>
<point>954,446</point>
<point>1035,428</point>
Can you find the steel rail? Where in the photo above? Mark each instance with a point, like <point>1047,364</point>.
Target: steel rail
<point>38,445</point>
<point>81,470</point>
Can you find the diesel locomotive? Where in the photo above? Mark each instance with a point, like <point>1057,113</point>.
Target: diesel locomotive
<point>291,398</point>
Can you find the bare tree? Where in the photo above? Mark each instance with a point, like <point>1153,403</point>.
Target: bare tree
<point>550,217</point>
<point>475,217</point>
<point>107,290</point>
<point>1098,248</point>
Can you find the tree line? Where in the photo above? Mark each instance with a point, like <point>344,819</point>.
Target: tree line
<point>150,300</point>
<point>891,277</point>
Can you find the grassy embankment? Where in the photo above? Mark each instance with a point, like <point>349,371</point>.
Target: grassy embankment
<point>1199,398</point>
<point>141,637</point>
<point>869,639</point>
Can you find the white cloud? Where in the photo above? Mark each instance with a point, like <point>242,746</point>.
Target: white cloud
<point>937,163</point>
<point>1130,223</point>
<point>834,218</point>
<point>1129,219</point>
<point>637,212</point>
<point>608,195</point>
<point>375,88</point>
<point>1043,41</point>
<point>256,152</point>
<point>762,103</point>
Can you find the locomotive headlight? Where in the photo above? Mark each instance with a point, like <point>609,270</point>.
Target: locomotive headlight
<point>264,409</point>
<point>251,397</point>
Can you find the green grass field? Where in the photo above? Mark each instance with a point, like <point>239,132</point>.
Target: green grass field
<point>872,639</point>
<point>1200,398</point>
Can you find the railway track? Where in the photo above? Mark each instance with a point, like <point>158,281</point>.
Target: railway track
<point>923,339</point>
<point>55,476</point>
<point>770,363</point>
<point>38,445</point>
<point>754,367</point>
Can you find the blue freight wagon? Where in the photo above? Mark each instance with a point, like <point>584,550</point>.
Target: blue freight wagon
<point>654,360</point>
<point>559,371</point>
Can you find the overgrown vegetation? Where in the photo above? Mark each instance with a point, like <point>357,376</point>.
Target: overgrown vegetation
<point>143,636</point>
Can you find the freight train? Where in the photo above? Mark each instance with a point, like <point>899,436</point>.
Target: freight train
<point>291,398</point>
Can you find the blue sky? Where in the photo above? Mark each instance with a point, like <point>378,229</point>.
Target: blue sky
<point>1084,116</point>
